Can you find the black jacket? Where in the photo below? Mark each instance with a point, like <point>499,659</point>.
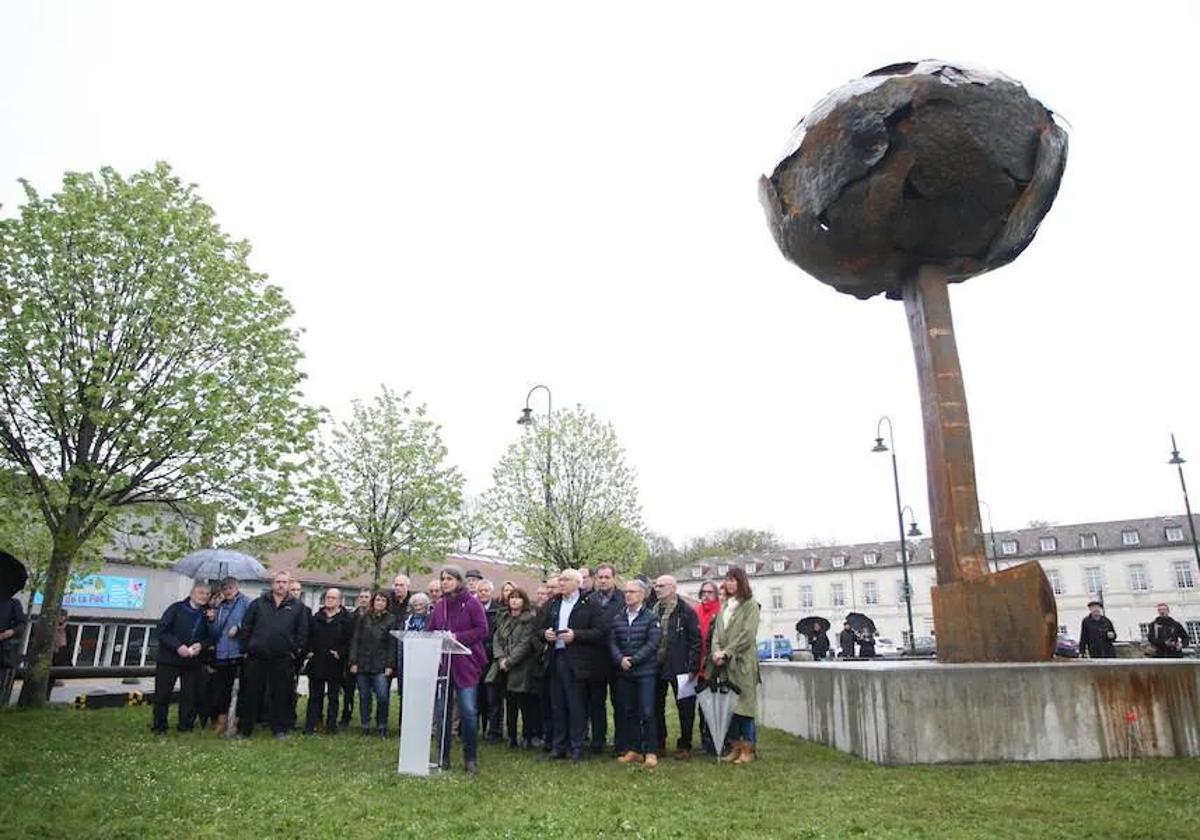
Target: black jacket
<point>587,651</point>
<point>819,643</point>
<point>492,611</point>
<point>326,635</point>
<point>604,617</point>
<point>846,641</point>
<point>682,630</point>
<point>180,625</point>
<point>12,617</point>
<point>1096,637</point>
<point>1164,633</point>
<point>373,647</point>
<point>269,631</point>
<point>638,640</point>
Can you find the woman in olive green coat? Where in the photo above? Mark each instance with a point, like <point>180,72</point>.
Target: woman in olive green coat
<point>514,664</point>
<point>734,651</point>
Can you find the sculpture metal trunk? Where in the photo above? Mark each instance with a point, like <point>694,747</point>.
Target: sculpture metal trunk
<point>978,615</point>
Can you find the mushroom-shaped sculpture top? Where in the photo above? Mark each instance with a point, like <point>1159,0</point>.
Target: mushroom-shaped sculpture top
<point>924,163</point>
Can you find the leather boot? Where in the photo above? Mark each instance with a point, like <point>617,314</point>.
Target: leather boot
<point>735,751</point>
<point>747,754</point>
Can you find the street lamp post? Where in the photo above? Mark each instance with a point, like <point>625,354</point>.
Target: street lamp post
<point>880,446</point>
<point>1178,461</point>
<point>992,537</point>
<point>526,419</point>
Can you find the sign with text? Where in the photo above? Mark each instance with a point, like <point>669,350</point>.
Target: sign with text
<point>108,592</point>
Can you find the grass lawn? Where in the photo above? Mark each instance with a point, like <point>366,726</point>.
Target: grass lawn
<point>75,774</point>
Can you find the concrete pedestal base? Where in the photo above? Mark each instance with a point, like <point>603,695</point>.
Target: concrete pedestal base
<point>897,712</point>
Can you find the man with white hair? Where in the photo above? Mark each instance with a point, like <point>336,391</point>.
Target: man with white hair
<point>182,633</point>
<point>491,695</point>
<point>678,658</point>
<point>571,629</point>
<point>398,599</point>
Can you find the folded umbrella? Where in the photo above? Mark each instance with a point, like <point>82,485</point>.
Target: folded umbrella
<point>13,575</point>
<point>860,623</point>
<point>217,563</point>
<point>717,699</point>
<point>812,625</point>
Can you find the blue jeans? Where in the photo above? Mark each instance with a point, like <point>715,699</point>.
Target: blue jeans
<point>638,732</point>
<point>468,716</point>
<point>377,685</point>
<point>742,728</point>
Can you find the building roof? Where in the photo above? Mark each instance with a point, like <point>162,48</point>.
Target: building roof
<point>290,558</point>
<point>1068,539</point>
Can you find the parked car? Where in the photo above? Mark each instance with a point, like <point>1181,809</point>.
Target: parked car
<point>886,647</point>
<point>776,648</point>
<point>923,646</point>
<point>1066,647</point>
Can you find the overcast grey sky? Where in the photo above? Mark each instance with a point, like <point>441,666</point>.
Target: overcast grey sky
<point>467,199</point>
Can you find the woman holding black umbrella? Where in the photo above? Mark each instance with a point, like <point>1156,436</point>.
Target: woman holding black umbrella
<point>816,630</point>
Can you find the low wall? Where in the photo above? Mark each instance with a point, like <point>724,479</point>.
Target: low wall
<point>897,712</point>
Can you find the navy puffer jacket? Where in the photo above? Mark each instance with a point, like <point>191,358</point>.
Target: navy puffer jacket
<point>637,640</point>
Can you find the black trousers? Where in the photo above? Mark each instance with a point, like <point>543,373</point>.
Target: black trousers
<point>596,700</point>
<point>567,705</point>
<point>318,690</point>
<point>220,684</point>
<point>492,709</point>
<point>274,679</point>
<point>546,713</point>
<point>525,704</point>
<point>687,715</point>
<point>164,683</point>
<point>349,684</point>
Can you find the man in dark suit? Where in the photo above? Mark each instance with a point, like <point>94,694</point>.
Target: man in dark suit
<point>608,602</point>
<point>570,627</point>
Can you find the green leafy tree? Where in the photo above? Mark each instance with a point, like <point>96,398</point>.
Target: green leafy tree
<point>143,367</point>
<point>731,542</point>
<point>472,526</point>
<point>662,556</point>
<point>593,516</point>
<point>383,485</point>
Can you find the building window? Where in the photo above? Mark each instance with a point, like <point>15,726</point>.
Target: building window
<point>871,592</point>
<point>697,572</point>
<point>905,641</point>
<point>776,598</point>
<point>809,563</point>
<point>806,597</point>
<point>777,565</point>
<point>1183,575</point>
<point>1062,630</point>
<point>1144,631</point>
<point>1093,580</point>
<point>1088,541</point>
<point>837,592</point>
<point>722,570</point>
<point>1130,536</point>
<point>1137,578</point>
<point>1193,631</point>
<point>870,558</point>
<point>1048,544</point>
<point>839,560</point>
<point>1008,547</point>
<point>900,590</point>
<point>751,568</point>
<point>1055,581</point>
<point>900,556</point>
<point>1174,533</point>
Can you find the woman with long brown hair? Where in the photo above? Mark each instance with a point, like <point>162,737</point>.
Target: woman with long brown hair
<point>734,654</point>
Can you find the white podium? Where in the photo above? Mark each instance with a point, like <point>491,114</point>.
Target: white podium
<point>424,653</point>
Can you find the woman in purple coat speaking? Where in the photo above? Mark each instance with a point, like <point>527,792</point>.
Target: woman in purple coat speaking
<point>459,612</point>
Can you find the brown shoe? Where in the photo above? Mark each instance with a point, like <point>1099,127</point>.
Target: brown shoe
<point>630,757</point>
<point>651,760</point>
<point>747,754</point>
<point>682,755</point>
<point>735,751</point>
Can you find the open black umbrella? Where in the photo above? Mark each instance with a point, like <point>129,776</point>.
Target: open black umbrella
<point>13,575</point>
<point>860,623</point>
<point>812,625</point>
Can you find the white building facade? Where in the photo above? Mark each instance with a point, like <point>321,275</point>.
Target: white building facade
<point>1129,565</point>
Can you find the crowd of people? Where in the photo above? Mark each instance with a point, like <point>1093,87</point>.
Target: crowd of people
<point>543,671</point>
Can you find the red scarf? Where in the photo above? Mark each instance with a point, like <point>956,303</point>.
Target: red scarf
<point>706,611</point>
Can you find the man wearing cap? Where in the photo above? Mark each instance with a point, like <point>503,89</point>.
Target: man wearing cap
<point>1097,634</point>
<point>474,576</point>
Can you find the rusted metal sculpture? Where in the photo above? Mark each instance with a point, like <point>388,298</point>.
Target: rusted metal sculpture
<point>913,177</point>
